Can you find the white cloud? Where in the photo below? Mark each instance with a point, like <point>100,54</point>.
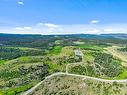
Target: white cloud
<point>23,28</point>
<point>51,25</point>
<point>21,3</point>
<point>94,31</point>
<point>47,25</point>
<point>18,28</point>
<point>39,24</point>
<point>94,21</point>
<point>28,28</point>
<point>109,30</point>
<point>48,28</point>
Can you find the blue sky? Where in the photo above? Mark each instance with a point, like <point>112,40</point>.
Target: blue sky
<point>63,16</point>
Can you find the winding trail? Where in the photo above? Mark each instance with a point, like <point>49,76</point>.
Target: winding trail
<point>82,76</point>
<point>77,52</point>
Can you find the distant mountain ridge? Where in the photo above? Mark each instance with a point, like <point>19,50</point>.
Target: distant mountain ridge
<point>120,36</point>
<point>94,36</point>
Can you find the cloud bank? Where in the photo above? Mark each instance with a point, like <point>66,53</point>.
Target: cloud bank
<point>49,29</point>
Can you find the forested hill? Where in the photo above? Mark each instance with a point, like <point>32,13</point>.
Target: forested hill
<point>24,40</point>
<point>117,35</point>
<point>102,36</point>
<point>120,36</point>
<point>44,41</point>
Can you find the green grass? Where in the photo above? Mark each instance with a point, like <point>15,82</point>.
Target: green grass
<point>15,91</point>
<point>30,59</point>
<point>25,59</point>
<point>56,67</point>
<point>22,48</point>
<point>88,57</point>
<point>123,75</point>
<point>58,42</point>
<point>56,50</point>
<point>2,62</point>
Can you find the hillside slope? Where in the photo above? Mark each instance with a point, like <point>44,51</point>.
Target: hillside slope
<point>65,84</point>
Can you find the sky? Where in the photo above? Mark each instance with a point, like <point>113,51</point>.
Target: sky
<point>63,16</point>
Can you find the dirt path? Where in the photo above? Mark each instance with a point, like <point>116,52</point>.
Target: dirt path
<point>82,76</point>
<point>78,52</point>
<point>110,50</point>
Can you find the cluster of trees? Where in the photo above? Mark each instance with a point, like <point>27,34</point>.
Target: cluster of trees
<point>39,41</point>
<point>104,66</point>
<point>37,72</point>
<point>12,53</point>
<point>23,75</point>
<point>123,49</point>
<point>35,41</point>
<point>65,59</point>
<point>111,67</point>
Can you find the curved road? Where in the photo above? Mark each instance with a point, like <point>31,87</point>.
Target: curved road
<point>77,52</point>
<point>82,76</point>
